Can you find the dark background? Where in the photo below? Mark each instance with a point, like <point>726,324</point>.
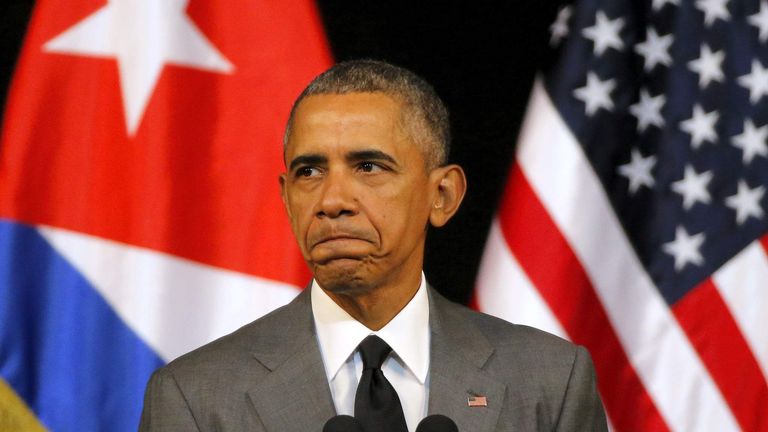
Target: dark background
<point>481,56</point>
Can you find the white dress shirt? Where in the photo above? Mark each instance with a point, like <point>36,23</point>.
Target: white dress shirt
<point>406,368</point>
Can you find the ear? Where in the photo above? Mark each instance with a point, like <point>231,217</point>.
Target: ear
<point>451,185</point>
<point>283,179</point>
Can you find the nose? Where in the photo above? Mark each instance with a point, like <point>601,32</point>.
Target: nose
<point>337,197</point>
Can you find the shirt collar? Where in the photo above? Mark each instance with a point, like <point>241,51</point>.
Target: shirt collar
<point>339,334</point>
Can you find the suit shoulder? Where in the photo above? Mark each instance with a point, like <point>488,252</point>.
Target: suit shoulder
<point>516,339</point>
<point>519,335</point>
<point>549,382</point>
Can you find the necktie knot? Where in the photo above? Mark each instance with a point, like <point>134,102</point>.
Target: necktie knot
<point>373,351</point>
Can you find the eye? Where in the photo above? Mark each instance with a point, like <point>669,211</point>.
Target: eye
<point>370,167</point>
<point>306,171</point>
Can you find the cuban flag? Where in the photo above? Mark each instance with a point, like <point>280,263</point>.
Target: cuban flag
<point>634,216</point>
<point>140,214</point>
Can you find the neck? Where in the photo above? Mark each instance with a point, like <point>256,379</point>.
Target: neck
<point>376,307</point>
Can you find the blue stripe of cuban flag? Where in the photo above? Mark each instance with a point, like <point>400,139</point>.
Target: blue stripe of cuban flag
<point>62,347</point>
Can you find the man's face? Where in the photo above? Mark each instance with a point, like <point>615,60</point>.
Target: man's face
<point>357,191</point>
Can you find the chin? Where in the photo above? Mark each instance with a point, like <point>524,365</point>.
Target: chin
<point>343,277</point>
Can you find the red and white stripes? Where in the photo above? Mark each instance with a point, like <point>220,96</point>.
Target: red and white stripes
<point>557,258</point>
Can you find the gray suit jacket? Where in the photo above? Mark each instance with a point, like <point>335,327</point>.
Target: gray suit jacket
<point>269,376</point>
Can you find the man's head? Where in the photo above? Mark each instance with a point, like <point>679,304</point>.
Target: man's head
<point>423,113</point>
<point>365,175</point>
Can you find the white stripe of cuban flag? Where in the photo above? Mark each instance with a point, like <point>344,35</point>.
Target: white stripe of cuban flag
<point>173,304</point>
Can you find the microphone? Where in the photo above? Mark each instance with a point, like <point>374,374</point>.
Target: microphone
<point>437,423</point>
<point>342,423</point>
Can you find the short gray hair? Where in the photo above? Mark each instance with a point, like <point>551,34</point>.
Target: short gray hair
<point>422,106</point>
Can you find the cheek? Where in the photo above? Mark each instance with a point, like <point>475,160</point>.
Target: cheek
<point>401,217</point>
<point>301,217</point>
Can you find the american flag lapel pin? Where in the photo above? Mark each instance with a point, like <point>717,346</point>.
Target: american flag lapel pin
<point>477,401</point>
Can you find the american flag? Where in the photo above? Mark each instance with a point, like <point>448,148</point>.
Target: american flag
<point>634,217</point>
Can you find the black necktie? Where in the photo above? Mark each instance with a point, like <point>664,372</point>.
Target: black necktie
<point>377,406</point>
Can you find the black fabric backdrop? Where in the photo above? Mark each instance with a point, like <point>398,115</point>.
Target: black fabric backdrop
<point>481,56</point>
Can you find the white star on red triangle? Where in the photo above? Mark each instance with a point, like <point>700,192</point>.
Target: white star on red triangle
<point>144,36</point>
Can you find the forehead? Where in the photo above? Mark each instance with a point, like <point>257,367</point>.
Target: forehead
<point>323,123</point>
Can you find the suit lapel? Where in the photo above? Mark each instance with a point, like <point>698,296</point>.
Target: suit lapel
<point>459,352</point>
<point>295,395</point>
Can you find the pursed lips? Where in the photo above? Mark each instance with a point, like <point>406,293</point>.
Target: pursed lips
<point>339,247</point>
<point>338,238</point>
<point>331,233</point>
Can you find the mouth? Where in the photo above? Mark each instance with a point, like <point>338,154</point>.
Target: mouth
<point>337,239</point>
<point>325,235</point>
<point>338,247</point>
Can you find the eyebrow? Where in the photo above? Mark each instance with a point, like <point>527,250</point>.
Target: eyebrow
<point>354,156</point>
<point>308,159</point>
<point>374,155</point>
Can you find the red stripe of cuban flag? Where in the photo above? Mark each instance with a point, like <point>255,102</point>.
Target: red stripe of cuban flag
<point>142,141</point>
<point>558,258</point>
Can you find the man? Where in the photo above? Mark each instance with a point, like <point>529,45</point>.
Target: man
<point>365,151</point>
